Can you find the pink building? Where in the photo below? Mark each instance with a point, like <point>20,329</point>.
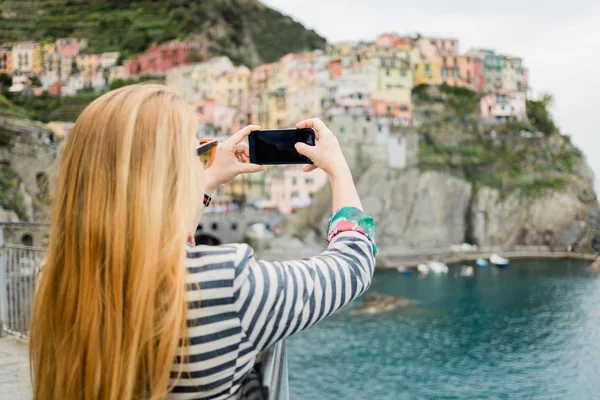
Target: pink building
<point>291,188</point>
<point>432,47</point>
<point>301,71</point>
<point>387,40</point>
<point>159,59</point>
<point>504,106</point>
<point>222,120</point>
<point>393,40</point>
<point>394,110</point>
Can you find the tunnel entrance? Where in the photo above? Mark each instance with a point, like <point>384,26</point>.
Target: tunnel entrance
<point>209,240</point>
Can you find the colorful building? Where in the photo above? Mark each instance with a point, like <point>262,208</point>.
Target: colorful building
<point>27,58</point>
<point>394,78</point>
<point>427,73</point>
<point>455,70</point>
<point>157,60</point>
<point>291,189</point>
<point>232,88</point>
<point>304,100</point>
<point>492,71</point>
<point>504,106</point>
<point>512,74</point>
<point>430,47</point>
<point>196,81</point>
<point>400,112</point>
<point>6,59</point>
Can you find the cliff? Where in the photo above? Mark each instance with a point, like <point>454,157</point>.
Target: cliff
<point>505,188</point>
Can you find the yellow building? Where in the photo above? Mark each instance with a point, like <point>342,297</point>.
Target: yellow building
<point>427,73</point>
<point>340,49</point>
<point>269,109</point>
<point>233,88</point>
<point>27,57</point>
<point>394,78</point>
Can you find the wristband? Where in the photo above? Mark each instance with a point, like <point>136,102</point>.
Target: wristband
<point>351,219</point>
<point>206,200</point>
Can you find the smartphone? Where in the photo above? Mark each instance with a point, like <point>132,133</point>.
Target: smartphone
<point>273,147</point>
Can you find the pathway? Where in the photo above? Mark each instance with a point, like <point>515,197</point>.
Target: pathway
<point>14,369</point>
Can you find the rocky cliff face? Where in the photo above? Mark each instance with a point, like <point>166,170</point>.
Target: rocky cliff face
<point>419,210</point>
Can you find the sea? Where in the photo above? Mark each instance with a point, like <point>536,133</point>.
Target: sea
<point>529,331</point>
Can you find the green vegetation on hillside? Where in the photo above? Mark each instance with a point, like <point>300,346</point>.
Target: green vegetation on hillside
<point>453,141</point>
<point>245,29</point>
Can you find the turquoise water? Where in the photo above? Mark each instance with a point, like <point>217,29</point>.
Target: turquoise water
<point>529,331</point>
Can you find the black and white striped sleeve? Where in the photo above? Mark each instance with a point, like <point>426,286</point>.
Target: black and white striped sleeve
<point>277,299</point>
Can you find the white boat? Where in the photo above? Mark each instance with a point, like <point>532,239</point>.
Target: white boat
<point>437,267</point>
<point>499,261</point>
<point>423,268</point>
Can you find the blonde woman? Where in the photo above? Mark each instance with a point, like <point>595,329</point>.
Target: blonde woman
<point>125,309</point>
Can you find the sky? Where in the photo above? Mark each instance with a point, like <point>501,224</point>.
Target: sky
<point>559,42</point>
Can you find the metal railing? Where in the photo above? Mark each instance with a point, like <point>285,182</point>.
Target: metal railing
<point>19,268</point>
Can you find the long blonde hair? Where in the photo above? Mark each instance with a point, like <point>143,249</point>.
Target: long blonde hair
<point>110,308</point>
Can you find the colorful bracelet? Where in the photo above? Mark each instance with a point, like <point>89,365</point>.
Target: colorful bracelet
<point>351,219</point>
<point>206,200</point>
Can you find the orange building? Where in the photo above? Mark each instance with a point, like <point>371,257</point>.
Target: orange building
<point>456,70</point>
<point>6,61</point>
<point>335,68</point>
<point>392,109</point>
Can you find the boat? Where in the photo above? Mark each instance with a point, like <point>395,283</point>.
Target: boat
<point>482,262</point>
<point>467,271</point>
<point>437,267</point>
<point>423,268</point>
<point>499,261</point>
<point>403,270</point>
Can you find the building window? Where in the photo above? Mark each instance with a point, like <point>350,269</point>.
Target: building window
<point>295,195</point>
<point>234,226</point>
<point>389,109</point>
<point>360,96</point>
<point>403,108</point>
<point>445,60</point>
<point>379,128</point>
<point>27,240</point>
<point>365,132</point>
<point>215,226</point>
<point>427,67</point>
<point>387,72</point>
<point>444,73</point>
<point>341,129</point>
<point>309,181</point>
<point>311,195</point>
<point>455,73</point>
<point>294,181</point>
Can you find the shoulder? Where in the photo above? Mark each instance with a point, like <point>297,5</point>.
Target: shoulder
<point>229,256</point>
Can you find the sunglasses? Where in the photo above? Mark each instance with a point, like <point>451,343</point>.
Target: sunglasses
<point>207,151</point>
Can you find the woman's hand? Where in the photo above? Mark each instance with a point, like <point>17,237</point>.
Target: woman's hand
<point>326,153</point>
<point>232,159</point>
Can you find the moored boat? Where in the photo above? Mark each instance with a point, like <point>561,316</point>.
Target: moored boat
<point>499,261</point>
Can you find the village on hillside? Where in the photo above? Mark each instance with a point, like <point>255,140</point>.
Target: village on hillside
<point>363,90</point>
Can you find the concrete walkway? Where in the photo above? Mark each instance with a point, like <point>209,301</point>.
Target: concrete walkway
<point>14,369</point>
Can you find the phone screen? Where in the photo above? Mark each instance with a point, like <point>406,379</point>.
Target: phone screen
<point>277,146</point>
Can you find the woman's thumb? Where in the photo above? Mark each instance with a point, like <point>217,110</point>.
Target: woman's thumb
<point>305,150</point>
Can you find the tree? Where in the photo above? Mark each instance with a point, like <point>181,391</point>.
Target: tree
<point>539,116</point>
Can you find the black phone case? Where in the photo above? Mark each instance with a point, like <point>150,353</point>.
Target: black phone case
<point>253,156</point>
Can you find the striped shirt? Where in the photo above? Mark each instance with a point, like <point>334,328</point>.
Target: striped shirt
<point>239,306</point>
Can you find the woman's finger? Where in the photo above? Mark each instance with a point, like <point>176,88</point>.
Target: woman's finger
<point>242,134</point>
<point>318,126</point>
<point>309,167</point>
<point>241,148</point>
